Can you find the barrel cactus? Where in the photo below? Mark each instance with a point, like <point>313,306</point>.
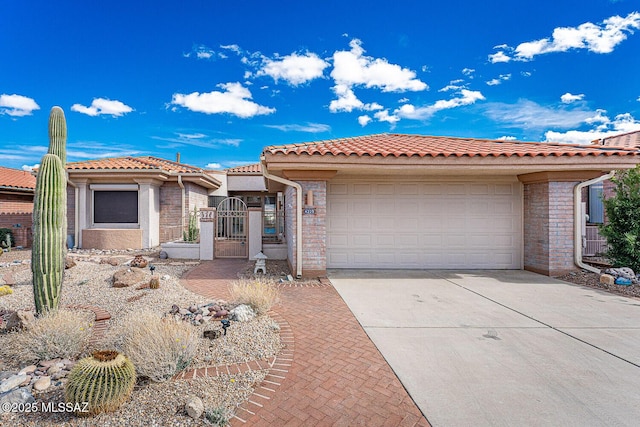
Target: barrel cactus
<point>104,380</point>
<point>50,219</point>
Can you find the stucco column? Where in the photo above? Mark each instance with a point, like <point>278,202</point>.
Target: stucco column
<point>149,211</point>
<point>207,229</point>
<point>83,209</point>
<point>255,232</point>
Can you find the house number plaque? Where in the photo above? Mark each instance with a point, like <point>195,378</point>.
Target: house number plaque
<point>309,211</point>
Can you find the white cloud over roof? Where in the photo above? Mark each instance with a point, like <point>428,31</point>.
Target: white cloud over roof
<point>102,106</point>
<point>17,105</point>
<point>597,38</point>
<point>234,99</point>
<point>622,123</point>
<point>465,97</point>
<point>527,114</point>
<point>309,127</point>
<point>295,69</point>
<point>353,68</point>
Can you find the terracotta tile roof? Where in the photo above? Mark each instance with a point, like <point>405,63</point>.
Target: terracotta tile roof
<point>625,140</point>
<point>16,179</point>
<point>252,169</point>
<point>402,145</point>
<point>134,163</point>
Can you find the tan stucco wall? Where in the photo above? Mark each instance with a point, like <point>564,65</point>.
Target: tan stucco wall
<point>111,238</point>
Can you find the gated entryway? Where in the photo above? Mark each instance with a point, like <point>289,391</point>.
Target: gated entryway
<point>231,229</point>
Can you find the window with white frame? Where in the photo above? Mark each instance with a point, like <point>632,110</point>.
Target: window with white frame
<point>115,204</point>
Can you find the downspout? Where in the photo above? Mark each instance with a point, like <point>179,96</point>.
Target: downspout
<point>299,206</point>
<point>577,219</point>
<point>181,206</point>
<point>76,232</point>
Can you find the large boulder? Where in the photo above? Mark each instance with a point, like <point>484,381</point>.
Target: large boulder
<point>20,319</point>
<point>128,277</point>
<point>139,261</point>
<point>242,313</point>
<point>17,397</point>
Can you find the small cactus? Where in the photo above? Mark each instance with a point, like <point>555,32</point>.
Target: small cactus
<point>154,283</point>
<point>105,380</point>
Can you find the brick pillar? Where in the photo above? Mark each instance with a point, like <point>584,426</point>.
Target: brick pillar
<point>314,230</point>
<point>549,221</point>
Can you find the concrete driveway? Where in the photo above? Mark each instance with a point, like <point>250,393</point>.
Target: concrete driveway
<point>502,348</point>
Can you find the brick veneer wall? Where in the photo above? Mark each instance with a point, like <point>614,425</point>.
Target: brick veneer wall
<point>71,212</point>
<point>314,231</point>
<point>170,218</point>
<point>548,227</point>
<point>16,203</point>
<point>171,203</point>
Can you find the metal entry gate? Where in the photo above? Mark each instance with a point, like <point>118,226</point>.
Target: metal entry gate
<point>231,229</point>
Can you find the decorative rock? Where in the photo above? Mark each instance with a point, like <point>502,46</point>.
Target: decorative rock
<point>54,369</point>
<point>242,313</point>
<point>139,262</point>
<point>166,277</point>
<point>128,277</point>
<point>48,363</point>
<point>184,311</point>
<point>215,308</point>
<point>607,279</point>
<point>27,370</point>
<point>198,318</point>
<point>193,308</point>
<point>194,407</point>
<point>59,375</point>
<point>221,313</point>
<point>625,272</point>
<point>42,383</point>
<point>5,375</point>
<point>26,382</point>
<point>212,335</point>
<point>111,261</point>
<point>19,396</point>
<point>163,255</point>
<point>67,364</point>
<point>174,309</point>
<point>12,382</point>
<point>20,319</point>
<point>69,263</point>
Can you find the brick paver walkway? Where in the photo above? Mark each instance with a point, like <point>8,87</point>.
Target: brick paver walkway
<point>336,376</point>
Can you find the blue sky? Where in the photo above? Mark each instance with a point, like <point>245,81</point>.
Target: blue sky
<point>218,80</point>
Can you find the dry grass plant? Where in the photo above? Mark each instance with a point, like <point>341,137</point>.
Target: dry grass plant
<point>261,294</point>
<point>64,334</point>
<point>158,347</point>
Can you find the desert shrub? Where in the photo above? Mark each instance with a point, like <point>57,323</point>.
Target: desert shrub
<point>217,416</point>
<point>260,294</point>
<point>63,334</point>
<point>5,290</point>
<point>622,229</point>
<point>4,232</point>
<point>158,347</point>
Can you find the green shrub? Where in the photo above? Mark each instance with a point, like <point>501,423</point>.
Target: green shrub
<point>217,416</point>
<point>622,229</point>
<point>4,232</point>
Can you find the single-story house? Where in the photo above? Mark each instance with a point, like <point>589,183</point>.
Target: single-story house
<point>413,201</point>
<point>17,189</point>
<point>133,202</point>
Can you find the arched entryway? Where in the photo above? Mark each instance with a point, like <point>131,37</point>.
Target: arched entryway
<point>231,229</point>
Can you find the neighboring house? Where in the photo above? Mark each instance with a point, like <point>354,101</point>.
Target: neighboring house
<point>411,201</point>
<point>593,195</point>
<point>17,188</point>
<point>133,202</point>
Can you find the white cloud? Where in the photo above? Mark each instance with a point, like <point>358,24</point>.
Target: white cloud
<point>17,105</point>
<point>526,73</point>
<point>28,168</point>
<point>507,138</point>
<point>101,106</point>
<point>595,38</point>
<point>364,120</point>
<point>235,99</point>
<point>309,127</point>
<point>233,48</point>
<point>348,101</point>
<point>213,166</point>
<point>638,99</point>
<point>568,98</point>
<point>622,123</point>
<point>499,80</point>
<point>499,56</point>
<point>403,100</point>
<point>295,69</point>
<point>384,116</point>
<point>204,52</point>
<point>197,140</point>
<point>530,115</point>
<point>468,71</point>
<point>466,97</point>
<point>353,68</point>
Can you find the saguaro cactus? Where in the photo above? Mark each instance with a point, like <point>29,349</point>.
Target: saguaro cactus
<point>50,219</point>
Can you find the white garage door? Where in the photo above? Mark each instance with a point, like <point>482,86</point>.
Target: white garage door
<point>393,224</point>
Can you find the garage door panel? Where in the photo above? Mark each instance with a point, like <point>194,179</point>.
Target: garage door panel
<point>390,224</point>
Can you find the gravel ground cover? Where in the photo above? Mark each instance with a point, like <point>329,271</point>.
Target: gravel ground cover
<point>89,283</point>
